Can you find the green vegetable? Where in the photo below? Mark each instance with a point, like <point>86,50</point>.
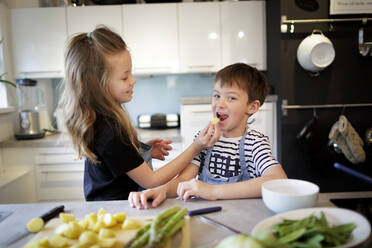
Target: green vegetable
<point>162,228</point>
<point>312,232</point>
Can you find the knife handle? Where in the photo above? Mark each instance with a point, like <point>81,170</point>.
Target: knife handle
<point>52,213</point>
<point>204,211</point>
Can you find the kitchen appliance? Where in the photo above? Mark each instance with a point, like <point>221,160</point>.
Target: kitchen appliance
<point>29,102</point>
<point>158,121</point>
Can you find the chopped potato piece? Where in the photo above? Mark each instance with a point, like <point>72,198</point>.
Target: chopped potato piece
<point>106,233</point>
<point>120,217</point>
<point>61,228</point>
<point>109,220</point>
<point>44,243</point>
<point>66,218</point>
<point>59,241</point>
<point>84,223</point>
<point>73,231</point>
<point>35,225</point>
<point>102,211</point>
<point>95,246</point>
<point>215,120</point>
<point>108,242</point>
<point>130,224</point>
<point>100,224</point>
<point>92,218</point>
<point>88,238</point>
<point>32,245</point>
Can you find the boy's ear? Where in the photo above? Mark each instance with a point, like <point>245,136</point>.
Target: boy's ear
<point>253,107</point>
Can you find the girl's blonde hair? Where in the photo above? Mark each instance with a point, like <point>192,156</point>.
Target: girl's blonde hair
<point>86,94</point>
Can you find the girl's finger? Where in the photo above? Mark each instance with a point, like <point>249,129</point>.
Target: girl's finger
<point>130,200</point>
<point>158,199</point>
<point>144,200</point>
<point>136,201</point>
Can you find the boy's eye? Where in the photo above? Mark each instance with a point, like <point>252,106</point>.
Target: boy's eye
<point>124,79</point>
<point>231,98</point>
<point>216,96</point>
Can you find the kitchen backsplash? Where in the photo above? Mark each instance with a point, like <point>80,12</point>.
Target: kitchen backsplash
<point>160,93</point>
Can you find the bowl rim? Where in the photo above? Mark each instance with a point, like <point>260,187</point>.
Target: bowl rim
<point>292,180</point>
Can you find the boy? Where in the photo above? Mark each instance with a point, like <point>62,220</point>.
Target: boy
<point>240,161</point>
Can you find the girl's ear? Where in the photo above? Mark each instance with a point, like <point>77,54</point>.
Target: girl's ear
<point>253,107</point>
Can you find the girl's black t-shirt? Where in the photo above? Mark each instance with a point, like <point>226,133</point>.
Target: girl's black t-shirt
<point>108,180</point>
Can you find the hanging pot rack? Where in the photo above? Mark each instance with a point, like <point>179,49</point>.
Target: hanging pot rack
<point>285,22</point>
<point>285,106</point>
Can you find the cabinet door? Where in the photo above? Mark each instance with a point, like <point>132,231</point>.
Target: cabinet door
<point>193,119</point>
<point>150,31</point>
<point>86,18</point>
<point>39,36</point>
<point>200,38</point>
<point>244,33</point>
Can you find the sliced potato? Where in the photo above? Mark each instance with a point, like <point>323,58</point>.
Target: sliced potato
<point>120,217</point>
<point>106,233</point>
<point>61,229</point>
<point>215,120</point>
<point>130,224</point>
<point>59,241</point>
<point>109,220</point>
<point>108,242</point>
<point>84,223</point>
<point>92,218</point>
<point>35,225</point>
<point>66,218</point>
<point>44,243</point>
<point>100,224</point>
<point>73,231</point>
<point>88,238</point>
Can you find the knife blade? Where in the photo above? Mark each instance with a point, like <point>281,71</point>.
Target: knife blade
<point>218,224</point>
<point>22,233</point>
<point>204,210</point>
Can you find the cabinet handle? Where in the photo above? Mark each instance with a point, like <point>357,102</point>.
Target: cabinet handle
<point>199,66</point>
<point>201,111</point>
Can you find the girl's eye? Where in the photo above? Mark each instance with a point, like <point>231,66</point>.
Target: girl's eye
<point>124,79</point>
<point>216,96</point>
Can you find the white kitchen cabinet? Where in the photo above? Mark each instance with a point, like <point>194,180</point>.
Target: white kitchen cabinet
<point>151,33</point>
<point>86,18</point>
<point>243,27</point>
<point>200,37</point>
<point>38,39</point>
<point>59,175</point>
<point>195,117</point>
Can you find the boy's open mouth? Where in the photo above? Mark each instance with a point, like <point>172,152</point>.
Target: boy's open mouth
<point>222,117</point>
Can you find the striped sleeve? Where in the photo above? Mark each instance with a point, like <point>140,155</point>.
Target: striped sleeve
<point>262,156</point>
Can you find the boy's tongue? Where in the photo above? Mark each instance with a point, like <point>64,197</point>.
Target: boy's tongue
<point>222,117</point>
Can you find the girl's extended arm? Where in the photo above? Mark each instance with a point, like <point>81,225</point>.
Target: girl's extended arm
<point>246,189</point>
<point>147,178</point>
<point>159,194</point>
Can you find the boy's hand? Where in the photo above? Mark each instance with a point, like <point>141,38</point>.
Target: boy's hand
<point>210,134</point>
<point>195,187</point>
<point>139,199</point>
<point>160,148</point>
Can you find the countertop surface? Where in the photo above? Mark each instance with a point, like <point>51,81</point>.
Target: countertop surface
<point>241,214</point>
<point>63,140</point>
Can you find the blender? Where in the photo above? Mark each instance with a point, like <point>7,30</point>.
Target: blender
<point>28,96</point>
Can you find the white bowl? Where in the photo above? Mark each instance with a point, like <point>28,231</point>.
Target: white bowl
<point>282,195</point>
<point>315,52</point>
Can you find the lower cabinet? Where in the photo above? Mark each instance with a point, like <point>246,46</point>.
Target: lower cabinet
<point>59,175</point>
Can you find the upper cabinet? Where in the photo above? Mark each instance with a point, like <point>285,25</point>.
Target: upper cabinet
<point>243,27</point>
<point>86,18</point>
<point>150,31</point>
<point>163,38</point>
<point>38,39</point>
<point>200,37</point>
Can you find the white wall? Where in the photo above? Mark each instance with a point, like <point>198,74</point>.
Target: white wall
<point>22,3</point>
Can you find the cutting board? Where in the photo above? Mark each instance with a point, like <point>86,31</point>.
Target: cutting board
<point>181,239</point>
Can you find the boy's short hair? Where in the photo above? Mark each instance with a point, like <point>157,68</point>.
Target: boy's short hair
<point>245,77</point>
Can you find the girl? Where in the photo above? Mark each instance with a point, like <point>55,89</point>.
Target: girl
<point>98,80</point>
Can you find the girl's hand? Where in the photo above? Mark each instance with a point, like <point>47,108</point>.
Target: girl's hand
<point>210,134</point>
<point>139,199</point>
<point>195,187</point>
<point>160,148</point>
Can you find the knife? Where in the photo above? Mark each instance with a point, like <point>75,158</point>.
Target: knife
<point>203,211</point>
<point>218,224</point>
<point>22,233</point>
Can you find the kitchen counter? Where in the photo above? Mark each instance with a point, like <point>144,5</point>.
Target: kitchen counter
<point>208,99</point>
<point>62,139</point>
<point>242,214</point>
